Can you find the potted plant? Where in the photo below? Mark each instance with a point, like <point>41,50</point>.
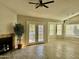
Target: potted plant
<point>19,30</point>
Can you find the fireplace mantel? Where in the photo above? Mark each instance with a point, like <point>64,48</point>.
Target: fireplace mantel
<point>6,35</point>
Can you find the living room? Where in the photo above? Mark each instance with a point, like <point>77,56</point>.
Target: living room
<point>43,28</point>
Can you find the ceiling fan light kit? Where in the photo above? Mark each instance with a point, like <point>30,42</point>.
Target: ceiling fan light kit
<point>41,4</point>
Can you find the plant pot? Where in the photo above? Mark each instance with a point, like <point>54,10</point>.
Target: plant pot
<point>19,46</point>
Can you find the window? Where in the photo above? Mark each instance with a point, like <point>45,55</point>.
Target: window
<point>59,29</point>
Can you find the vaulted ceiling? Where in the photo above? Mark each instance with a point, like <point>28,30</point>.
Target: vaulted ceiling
<point>59,10</point>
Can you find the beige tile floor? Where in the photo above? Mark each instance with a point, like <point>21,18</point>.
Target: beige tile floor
<point>54,49</point>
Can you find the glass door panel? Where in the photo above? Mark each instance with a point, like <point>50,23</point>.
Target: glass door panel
<point>31,33</point>
<point>36,32</point>
<point>40,33</point>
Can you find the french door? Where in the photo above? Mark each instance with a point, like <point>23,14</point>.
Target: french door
<point>36,32</point>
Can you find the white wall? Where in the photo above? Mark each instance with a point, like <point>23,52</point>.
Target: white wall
<point>7,19</point>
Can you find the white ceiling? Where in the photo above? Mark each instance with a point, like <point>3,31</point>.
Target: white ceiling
<point>59,10</point>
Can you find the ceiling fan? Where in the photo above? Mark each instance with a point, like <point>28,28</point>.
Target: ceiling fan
<point>41,4</point>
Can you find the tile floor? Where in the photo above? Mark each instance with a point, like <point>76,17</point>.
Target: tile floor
<point>55,49</point>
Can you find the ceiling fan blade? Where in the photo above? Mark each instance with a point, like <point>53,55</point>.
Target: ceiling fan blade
<point>32,3</point>
<point>48,2</point>
<point>45,6</point>
<point>37,6</point>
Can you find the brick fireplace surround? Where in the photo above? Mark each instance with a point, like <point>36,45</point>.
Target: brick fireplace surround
<point>6,43</point>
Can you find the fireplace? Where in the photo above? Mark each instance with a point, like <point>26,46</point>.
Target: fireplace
<point>6,43</point>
